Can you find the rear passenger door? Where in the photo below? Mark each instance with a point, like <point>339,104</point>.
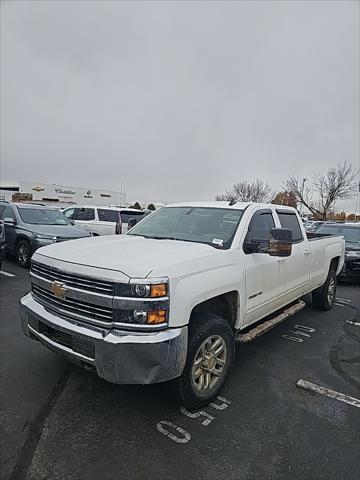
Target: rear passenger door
<point>85,217</point>
<point>297,265</point>
<point>107,221</point>
<point>265,283</point>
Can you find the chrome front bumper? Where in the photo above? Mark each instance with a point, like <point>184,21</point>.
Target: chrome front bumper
<point>118,356</point>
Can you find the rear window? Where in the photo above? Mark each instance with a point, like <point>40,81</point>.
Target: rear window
<point>108,215</point>
<point>125,216</point>
<point>289,220</point>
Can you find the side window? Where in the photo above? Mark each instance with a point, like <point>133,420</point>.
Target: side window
<point>84,214</point>
<point>69,213</point>
<point>259,228</point>
<point>126,215</point>
<point>9,213</point>
<point>289,220</point>
<point>108,215</point>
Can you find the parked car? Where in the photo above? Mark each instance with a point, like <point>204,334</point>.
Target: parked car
<point>169,299</point>
<point>28,227</point>
<point>103,220</point>
<point>2,243</point>
<point>351,233</point>
<point>313,226</point>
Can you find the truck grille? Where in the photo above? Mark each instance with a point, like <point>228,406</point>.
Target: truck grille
<point>73,280</point>
<point>72,307</point>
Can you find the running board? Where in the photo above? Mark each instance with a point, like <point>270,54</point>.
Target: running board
<point>269,324</point>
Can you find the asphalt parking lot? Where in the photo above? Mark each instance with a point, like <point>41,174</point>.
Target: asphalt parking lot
<point>61,422</point>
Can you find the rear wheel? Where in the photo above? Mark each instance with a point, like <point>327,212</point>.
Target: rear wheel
<point>23,253</point>
<point>211,350</point>
<point>323,298</point>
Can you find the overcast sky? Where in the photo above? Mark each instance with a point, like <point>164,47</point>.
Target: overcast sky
<point>178,99</point>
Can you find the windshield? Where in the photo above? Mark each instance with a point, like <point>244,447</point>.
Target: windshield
<point>43,216</point>
<point>351,234</point>
<point>213,226</point>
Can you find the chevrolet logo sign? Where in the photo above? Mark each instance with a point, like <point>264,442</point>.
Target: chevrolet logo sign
<point>57,288</point>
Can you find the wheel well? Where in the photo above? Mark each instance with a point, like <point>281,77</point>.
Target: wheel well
<point>224,305</point>
<point>21,238</point>
<point>334,264</point>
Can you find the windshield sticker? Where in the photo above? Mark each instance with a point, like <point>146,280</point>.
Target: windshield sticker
<point>217,241</point>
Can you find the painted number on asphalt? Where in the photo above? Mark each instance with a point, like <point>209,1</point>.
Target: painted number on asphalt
<point>178,434</point>
<point>299,333</point>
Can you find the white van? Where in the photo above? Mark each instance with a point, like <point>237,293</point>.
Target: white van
<point>103,220</point>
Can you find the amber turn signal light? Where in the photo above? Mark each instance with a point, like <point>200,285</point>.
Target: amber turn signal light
<point>156,316</point>
<point>158,290</point>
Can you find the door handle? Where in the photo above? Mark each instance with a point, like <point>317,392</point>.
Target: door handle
<point>281,260</point>
<point>307,252</point>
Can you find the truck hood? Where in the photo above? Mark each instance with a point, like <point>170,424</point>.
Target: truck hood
<point>130,255</point>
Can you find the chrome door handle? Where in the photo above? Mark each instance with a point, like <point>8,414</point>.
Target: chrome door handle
<point>307,252</point>
<point>281,260</point>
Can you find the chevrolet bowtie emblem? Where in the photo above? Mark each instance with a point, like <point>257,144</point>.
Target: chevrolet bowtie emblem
<point>57,288</point>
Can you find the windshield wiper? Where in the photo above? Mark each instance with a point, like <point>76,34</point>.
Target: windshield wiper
<point>159,238</point>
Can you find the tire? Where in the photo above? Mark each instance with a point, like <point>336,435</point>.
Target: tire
<point>323,298</point>
<point>23,253</point>
<point>207,334</point>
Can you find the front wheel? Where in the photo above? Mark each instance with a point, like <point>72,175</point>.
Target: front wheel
<point>211,351</point>
<point>323,298</point>
<point>23,253</point>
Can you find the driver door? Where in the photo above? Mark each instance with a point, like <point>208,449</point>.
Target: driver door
<point>265,280</point>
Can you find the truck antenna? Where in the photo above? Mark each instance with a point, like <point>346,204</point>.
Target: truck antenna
<point>232,202</point>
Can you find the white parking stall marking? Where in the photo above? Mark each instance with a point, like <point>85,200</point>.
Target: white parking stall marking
<point>208,418</point>
<point>165,427</point>
<point>185,436</point>
<point>339,304</point>
<point>7,274</point>
<point>301,331</point>
<point>343,300</point>
<point>355,402</point>
<point>357,324</point>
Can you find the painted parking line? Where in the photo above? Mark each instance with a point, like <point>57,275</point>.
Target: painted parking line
<point>339,304</point>
<point>353,323</point>
<point>355,402</point>
<point>344,300</point>
<point>7,274</point>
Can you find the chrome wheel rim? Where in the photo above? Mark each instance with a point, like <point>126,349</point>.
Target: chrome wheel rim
<point>209,363</point>
<point>331,290</point>
<point>22,254</point>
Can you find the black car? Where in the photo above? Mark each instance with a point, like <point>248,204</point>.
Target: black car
<point>28,227</point>
<point>351,233</point>
<point>2,243</point>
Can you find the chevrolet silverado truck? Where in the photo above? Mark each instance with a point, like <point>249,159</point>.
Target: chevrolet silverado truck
<point>168,300</point>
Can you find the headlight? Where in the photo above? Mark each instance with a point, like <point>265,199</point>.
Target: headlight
<point>42,236</point>
<point>153,288</point>
<point>353,253</point>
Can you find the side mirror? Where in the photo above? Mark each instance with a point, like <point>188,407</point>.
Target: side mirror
<point>131,222</point>
<point>71,221</point>
<point>280,244</point>
<point>9,221</point>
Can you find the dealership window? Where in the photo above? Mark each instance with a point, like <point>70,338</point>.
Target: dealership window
<point>289,220</point>
<point>108,215</point>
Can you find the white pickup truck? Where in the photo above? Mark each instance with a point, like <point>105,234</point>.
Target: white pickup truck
<point>168,300</point>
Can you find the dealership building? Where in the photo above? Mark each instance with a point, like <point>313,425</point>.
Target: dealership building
<point>55,194</point>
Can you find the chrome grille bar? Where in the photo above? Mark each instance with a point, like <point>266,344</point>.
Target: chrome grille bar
<point>74,308</point>
<point>72,280</point>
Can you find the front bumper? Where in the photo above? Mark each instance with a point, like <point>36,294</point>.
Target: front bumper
<point>351,270</point>
<point>117,356</point>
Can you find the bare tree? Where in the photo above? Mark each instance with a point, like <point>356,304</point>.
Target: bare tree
<point>285,198</point>
<point>255,191</point>
<point>321,193</point>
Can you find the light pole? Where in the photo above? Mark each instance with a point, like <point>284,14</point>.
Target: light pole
<point>302,194</point>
